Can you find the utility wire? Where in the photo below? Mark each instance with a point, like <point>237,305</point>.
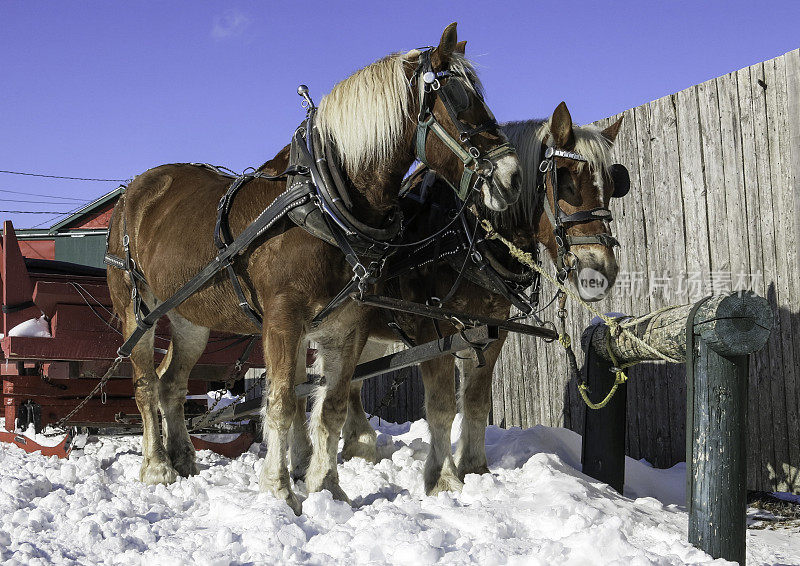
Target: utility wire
<point>26,193</point>
<point>63,177</point>
<point>37,201</point>
<point>76,209</point>
<point>51,212</point>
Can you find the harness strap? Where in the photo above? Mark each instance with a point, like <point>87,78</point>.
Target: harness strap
<point>292,197</point>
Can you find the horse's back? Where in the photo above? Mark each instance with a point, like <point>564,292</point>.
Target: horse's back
<point>169,215</point>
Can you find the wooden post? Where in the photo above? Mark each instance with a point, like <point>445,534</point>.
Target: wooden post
<point>714,338</point>
<point>603,450</point>
<point>716,438</point>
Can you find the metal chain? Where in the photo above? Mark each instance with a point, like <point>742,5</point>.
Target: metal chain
<point>63,420</point>
<point>210,413</point>
<point>398,380</point>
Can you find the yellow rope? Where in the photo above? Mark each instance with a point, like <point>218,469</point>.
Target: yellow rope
<point>619,378</point>
<point>525,258</point>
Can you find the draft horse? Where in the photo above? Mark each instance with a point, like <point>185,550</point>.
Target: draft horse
<point>568,181</point>
<point>374,125</point>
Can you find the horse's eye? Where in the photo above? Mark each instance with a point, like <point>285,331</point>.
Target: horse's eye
<point>565,182</point>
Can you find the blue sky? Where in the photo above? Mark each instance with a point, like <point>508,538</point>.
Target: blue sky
<point>108,89</point>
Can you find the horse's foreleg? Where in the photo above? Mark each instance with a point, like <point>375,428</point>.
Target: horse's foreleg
<point>282,342</point>
<point>476,402</point>
<point>359,437</point>
<point>188,343</point>
<point>339,355</point>
<point>438,375</point>
<point>156,466</point>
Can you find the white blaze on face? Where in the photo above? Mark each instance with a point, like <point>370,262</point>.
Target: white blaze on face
<point>591,284</point>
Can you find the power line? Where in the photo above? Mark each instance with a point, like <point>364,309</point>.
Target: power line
<point>35,201</point>
<point>63,177</point>
<point>76,209</point>
<point>26,193</point>
<point>52,212</point>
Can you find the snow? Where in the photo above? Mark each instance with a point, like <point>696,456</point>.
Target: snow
<point>534,508</point>
<point>33,328</point>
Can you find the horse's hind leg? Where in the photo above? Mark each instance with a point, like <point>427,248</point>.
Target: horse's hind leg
<point>156,466</point>
<point>188,343</point>
<point>359,437</point>
<point>476,401</point>
<point>440,473</point>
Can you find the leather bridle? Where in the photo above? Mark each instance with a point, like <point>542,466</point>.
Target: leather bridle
<point>454,96</point>
<point>561,221</point>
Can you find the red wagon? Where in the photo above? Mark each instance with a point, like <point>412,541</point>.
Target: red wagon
<point>45,377</point>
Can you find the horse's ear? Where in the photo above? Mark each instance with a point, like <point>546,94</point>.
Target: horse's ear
<point>461,47</point>
<point>610,133</point>
<point>447,46</point>
<point>561,127</point>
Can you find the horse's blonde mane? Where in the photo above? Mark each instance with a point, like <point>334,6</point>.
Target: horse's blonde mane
<point>365,115</point>
<point>527,136</point>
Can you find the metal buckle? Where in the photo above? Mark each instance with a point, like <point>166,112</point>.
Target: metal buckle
<point>360,271</point>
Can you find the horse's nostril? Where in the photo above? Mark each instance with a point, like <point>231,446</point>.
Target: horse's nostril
<point>516,180</point>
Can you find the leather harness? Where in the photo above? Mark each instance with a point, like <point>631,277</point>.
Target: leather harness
<point>316,199</point>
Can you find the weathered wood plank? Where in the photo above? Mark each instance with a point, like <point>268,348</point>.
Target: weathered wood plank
<point>791,152</point>
<point>646,135</point>
<point>769,420</point>
<point>752,209</point>
<point>786,260</point>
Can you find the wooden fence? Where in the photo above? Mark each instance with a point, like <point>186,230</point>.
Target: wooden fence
<point>714,206</point>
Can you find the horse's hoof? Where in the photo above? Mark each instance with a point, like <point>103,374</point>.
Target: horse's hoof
<point>280,489</point>
<point>294,503</point>
<point>153,473</point>
<point>331,484</point>
<point>446,482</point>
<point>186,468</point>
<point>339,494</point>
<point>359,449</point>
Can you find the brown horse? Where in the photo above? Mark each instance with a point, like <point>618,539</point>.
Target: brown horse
<point>167,216</point>
<point>582,187</point>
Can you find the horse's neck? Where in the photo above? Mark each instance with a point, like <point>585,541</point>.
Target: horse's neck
<point>375,191</point>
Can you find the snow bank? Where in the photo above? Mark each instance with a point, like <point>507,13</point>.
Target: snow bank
<point>33,328</point>
<point>534,508</point>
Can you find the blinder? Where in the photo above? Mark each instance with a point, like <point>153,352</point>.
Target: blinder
<point>621,180</point>
<point>455,91</point>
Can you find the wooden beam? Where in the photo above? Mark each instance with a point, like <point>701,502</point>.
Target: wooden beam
<point>733,324</point>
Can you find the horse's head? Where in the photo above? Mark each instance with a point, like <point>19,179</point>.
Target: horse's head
<point>579,180</point>
<point>569,180</point>
<point>426,104</point>
<point>468,148</point>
